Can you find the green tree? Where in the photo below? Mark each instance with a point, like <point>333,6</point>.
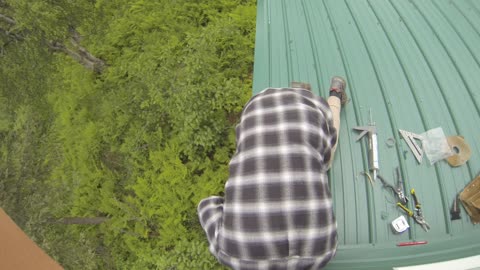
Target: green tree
<point>123,111</point>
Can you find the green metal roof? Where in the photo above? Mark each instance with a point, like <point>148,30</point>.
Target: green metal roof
<point>416,64</point>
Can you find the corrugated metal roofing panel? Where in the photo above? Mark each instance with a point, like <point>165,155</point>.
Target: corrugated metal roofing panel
<point>416,66</point>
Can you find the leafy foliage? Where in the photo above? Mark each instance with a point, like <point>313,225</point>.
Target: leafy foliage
<point>140,143</point>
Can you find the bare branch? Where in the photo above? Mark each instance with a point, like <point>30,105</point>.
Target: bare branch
<point>76,43</point>
<point>11,35</point>
<point>75,40</point>
<point>78,52</point>
<point>7,19</point>
<point>80,55</point>
<point>56,46</point>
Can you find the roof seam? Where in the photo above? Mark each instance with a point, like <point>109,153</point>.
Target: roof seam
<point>287,43</point>
<point>462,77</point>
<point>394,125</point>
<point>457,32</point>
<point>409,82</point>
<point>466,18</point>
<point>371,222</point>
<point>474,7</point>
<point>440,179</point>
<point>316,66</point>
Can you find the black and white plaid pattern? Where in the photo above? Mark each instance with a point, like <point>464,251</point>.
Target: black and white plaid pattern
<point>277,211</point>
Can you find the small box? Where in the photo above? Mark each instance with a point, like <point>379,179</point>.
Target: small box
<point>400,224</point>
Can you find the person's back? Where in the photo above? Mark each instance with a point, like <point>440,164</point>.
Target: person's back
<point>277,211</point>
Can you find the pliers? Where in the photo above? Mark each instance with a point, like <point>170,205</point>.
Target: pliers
<point>398,190</point>
<point>418,216</point>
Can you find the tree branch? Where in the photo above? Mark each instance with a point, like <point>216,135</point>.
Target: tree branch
<point>7,19</point>
<point>75,40</point>
<point>80,55</point>
<point>59,47</point>
<point>12,36</point>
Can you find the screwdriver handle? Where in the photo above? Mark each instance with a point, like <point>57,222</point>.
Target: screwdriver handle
<point>417,203</point>
<point>408,211</point>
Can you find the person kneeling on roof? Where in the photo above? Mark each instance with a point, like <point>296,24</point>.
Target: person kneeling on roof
<point>277,211</point>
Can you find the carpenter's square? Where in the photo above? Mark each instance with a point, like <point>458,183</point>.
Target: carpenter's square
<point>371,130</point>
<point>410,137</point>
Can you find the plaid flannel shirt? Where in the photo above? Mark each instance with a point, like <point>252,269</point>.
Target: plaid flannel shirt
<point>277,210</point>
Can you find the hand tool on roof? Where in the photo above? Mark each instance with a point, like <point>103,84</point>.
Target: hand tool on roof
<point>455,210</point>
<point>410,137</point>
<point>401,196</point>
<point>418,215</point>
<point>413,243</point>
<point>398,190</point>
<point>400,224</point>
<point>371,130</point>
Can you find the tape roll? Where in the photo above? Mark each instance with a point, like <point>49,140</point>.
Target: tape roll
<point>461,151</point>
